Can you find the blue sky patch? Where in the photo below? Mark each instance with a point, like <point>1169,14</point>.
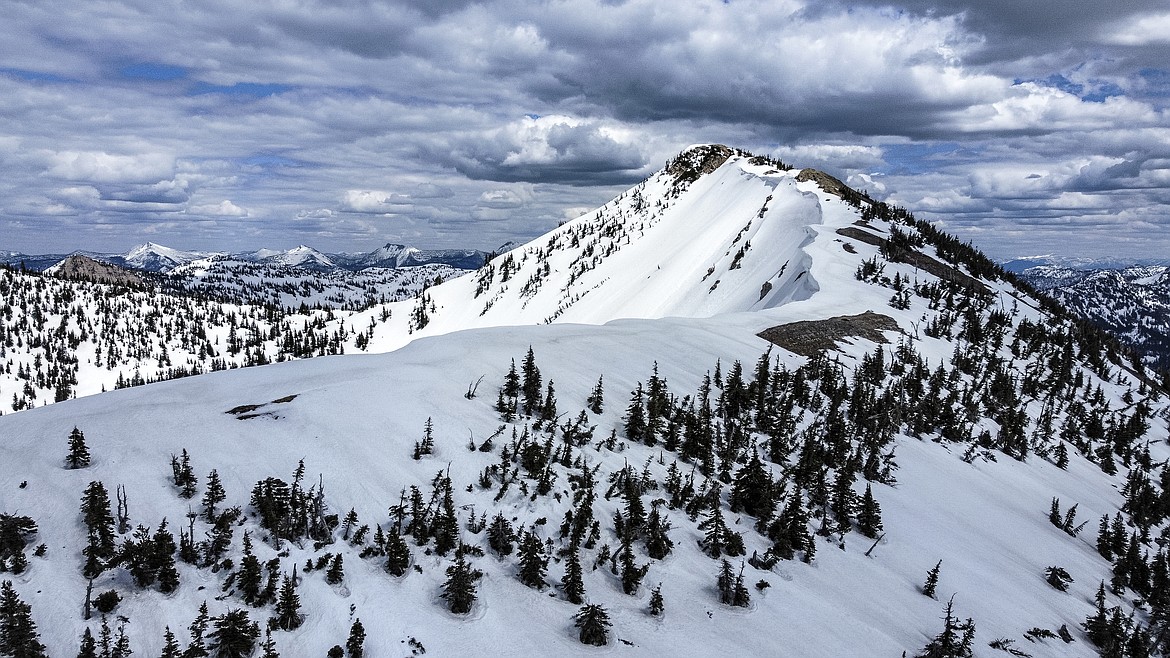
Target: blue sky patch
<point>915,158</point>
<point>33,76</point>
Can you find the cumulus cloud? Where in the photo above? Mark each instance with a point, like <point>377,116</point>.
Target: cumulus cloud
<point>366,201</point>
<point>102,167</point>
<point>476,123</point>
<point>500,199</point>
<point>546,149</point>
<point>224,208</point>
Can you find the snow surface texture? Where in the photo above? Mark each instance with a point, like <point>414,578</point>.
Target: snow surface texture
<point>671,289</point>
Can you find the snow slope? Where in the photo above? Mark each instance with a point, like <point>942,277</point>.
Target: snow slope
<point>355,419</point>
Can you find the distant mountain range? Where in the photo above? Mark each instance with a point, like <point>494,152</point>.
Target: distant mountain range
<point>1132,301</point>
<point>150,257</point>
<point>1022,264</point>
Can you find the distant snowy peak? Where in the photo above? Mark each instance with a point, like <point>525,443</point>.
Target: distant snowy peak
<point>392,255</point>
<point>1025,263</point>
<point>303,257</point>
<point>157,258</point>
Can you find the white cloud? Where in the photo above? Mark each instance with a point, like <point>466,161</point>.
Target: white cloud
<point>224,208</point>
<point>102,167</point>
<point>500,199</point>
<point>1140,31</point>
<point>365,201</point>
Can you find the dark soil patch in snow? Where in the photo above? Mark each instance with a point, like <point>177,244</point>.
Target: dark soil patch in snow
<point>917,259</point>
<point>243,412</point>
<point>808,337</point>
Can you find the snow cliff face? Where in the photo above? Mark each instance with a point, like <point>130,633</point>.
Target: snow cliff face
<point>973,414</point>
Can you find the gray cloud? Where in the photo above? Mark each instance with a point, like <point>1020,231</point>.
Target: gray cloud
<point>459,123</point>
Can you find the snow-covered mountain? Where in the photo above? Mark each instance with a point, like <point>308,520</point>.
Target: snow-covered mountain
<point>1132,303</point>
<point>1023,264</point>
<point>155,258</point>
<point>393,255</point>
<point>740,410</point>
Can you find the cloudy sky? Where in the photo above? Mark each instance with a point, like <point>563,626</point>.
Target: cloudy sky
<point>1024,127</point>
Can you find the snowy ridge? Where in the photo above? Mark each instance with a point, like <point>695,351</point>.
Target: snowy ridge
<point>666,248</point>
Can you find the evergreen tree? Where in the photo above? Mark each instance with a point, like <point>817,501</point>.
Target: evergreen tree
<point>170,645</point>
<point>869,515</point>
<point>425,446</point>
<point>657,605</point>
<point>460,589</point>
<point>184,475</point>
<point>78,456</point>
<point>732,590</point>
<point>532,385</point>
<point>548,408</point>
<point>336,571</point>
<point>955,639</point>
<point>572,582</point>
<point>288,604</point>
<point>725,583</point>
<point>501,535</point>
<point>658,542</point>
<point>122,643</point>
<point>163,559</point>
<point>249,576</point>
<point>197,648</point>
<point>213,496</point>
<point>397,553</point>
<point>137,553</point>
<point>348,524</point>
<point>511,387</point>
<point>593,620</point>
<point>268,646</point>
<point>234,635</point>
<point>446,525</point>
<point>532,561</point>
<point>932,580</point>
<point>631,572</point>
<point>354,646</point>
<point>18,633</point>
<point>88,648</point>
<point>95,510</point>
<point>596,399</point>
<point>636,416</point>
